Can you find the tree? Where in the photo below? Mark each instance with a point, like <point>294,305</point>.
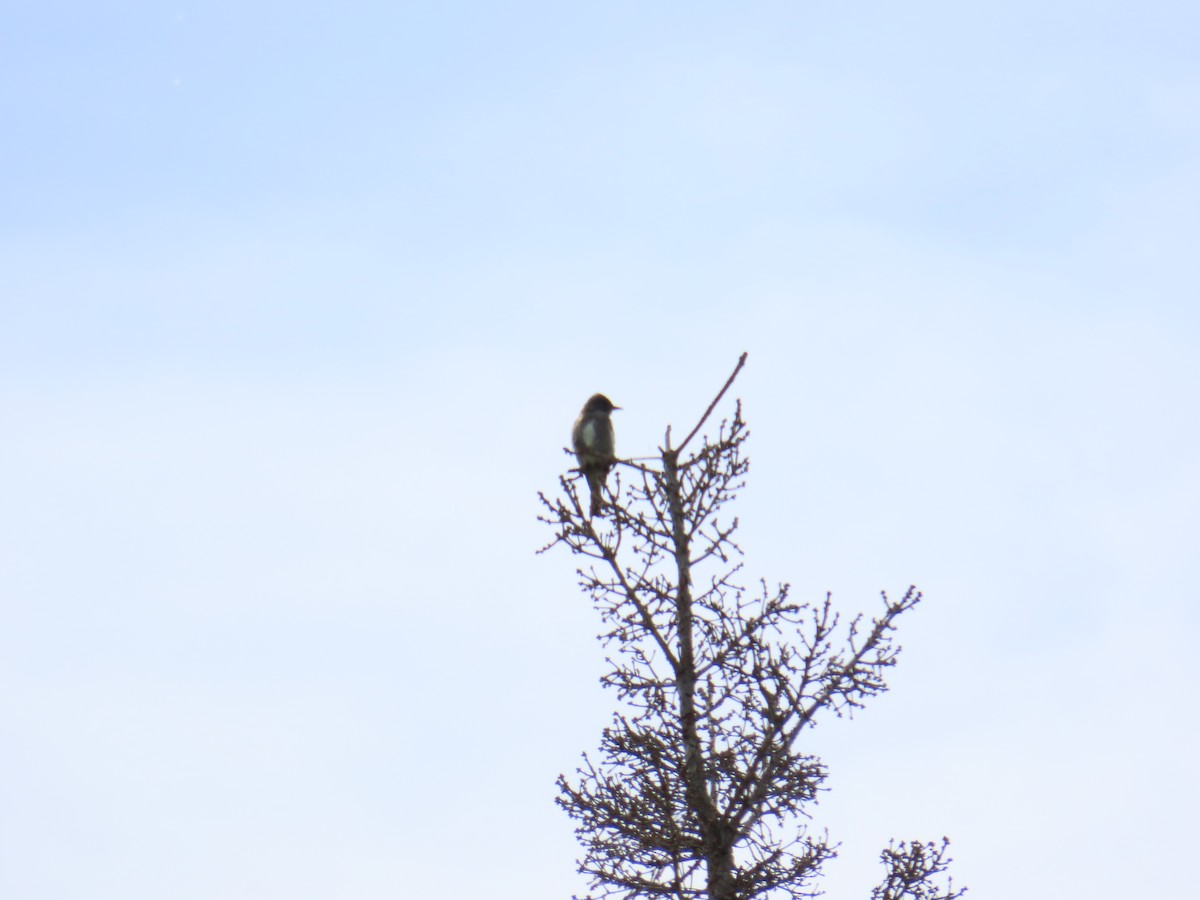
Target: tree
<point>701,788</point>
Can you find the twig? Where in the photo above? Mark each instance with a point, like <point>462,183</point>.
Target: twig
<point>713,405</point>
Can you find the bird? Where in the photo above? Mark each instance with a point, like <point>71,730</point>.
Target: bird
<point>595,445</point>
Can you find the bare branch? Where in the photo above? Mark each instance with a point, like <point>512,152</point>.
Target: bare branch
<point>741,362</point>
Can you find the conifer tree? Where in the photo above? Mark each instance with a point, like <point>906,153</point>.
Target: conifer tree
<point>701,787</point>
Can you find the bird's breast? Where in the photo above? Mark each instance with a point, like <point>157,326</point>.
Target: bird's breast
<point>588,433</point>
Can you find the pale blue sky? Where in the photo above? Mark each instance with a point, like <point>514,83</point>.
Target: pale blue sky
<point>297,304</point>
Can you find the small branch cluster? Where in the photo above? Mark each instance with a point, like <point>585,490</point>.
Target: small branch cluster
<point>914,870</point>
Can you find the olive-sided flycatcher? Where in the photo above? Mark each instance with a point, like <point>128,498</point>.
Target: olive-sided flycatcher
<point>595,445</point>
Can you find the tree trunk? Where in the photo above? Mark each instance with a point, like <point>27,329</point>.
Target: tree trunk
<point>718,844</point>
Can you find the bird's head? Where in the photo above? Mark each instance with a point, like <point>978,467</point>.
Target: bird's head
<point>598,403</point>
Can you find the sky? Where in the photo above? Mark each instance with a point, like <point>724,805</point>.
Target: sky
<point>298,302</point>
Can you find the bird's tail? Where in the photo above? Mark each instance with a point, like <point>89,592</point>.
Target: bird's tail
<point>596,488</point>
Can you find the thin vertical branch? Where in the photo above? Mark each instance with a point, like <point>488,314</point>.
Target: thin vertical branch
<point>708,412</point>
